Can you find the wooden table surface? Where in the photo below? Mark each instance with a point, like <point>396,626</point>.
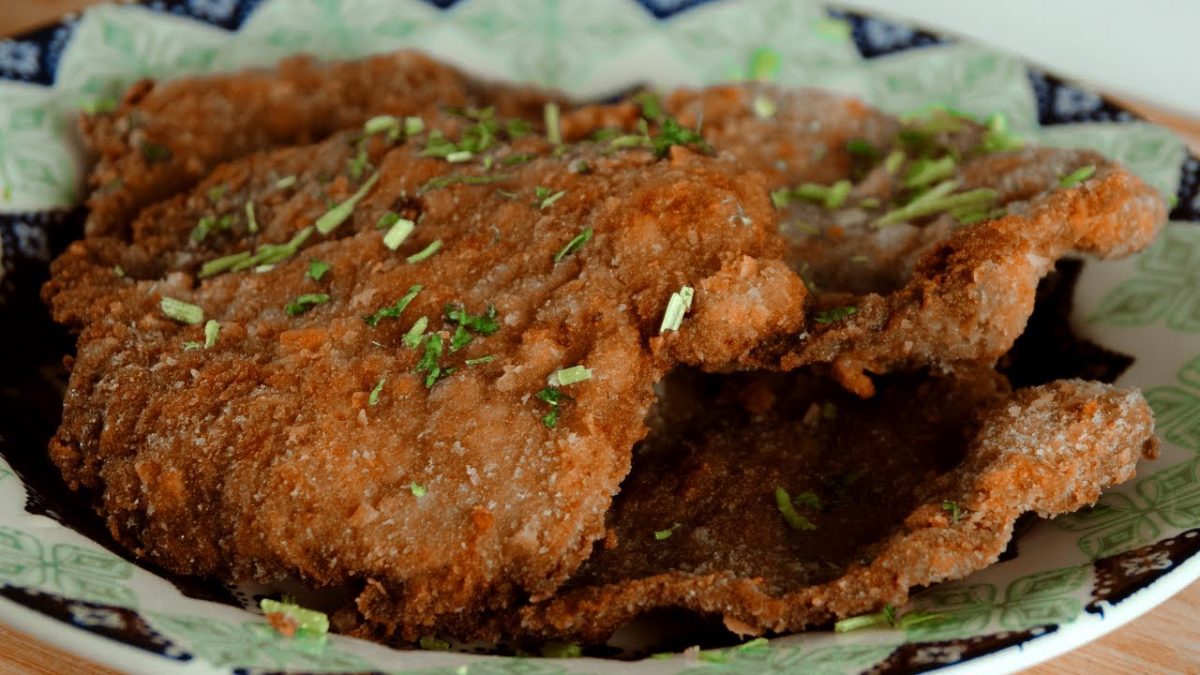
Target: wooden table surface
<point>1165,640</point>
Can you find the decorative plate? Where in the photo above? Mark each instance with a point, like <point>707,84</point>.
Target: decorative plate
<point>63,580</point>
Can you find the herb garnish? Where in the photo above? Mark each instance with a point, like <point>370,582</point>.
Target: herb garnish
<point>764,107</point>
<point>671,133</point>
<point>572,375</point>
<point>338,214</point>
<point>575,244</point>
<point>154,153</point>
<point>926,171</point>
<point>412,339</point>
<point>251,221</point>
<point>677,306</point>
<point>212,331</point>
<point>373,397</point>
<point>183,312</point>
<point>887,617</point>
<point>118,271</point>
<point>555,398</point>
<point>394,311</point>
<point>469,325</point>
<point>424,253</point>
<point>431,643</point>
<point>561,650</point>
<point>660,535</point>
<point>651,105</point>
<point>861,147</point>
<point>997,137</point>
<point>216,192</point>
<point>1077,176</point>
<point>417,490</point>
<point>289,618</point>
<point>305,302</point>
<point>550,115</point>
<point>317,269</point>
<point>398,232</point>
<point>828,316</point>
<point>831,196</point>
<point>937,200</point>
<point>953,509</point>
<point>429,360</point>
<point>265,254</point>
<point>794,519</point>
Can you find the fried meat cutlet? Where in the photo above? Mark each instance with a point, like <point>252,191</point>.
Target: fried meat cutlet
<point>165,136</point>
<point>328,433</point>
<point>922,241</point>
<point>920,484</point>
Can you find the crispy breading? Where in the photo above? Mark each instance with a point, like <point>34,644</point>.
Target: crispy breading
<point>165,136</point>
<point>268,456</point>
<point>920,484</point>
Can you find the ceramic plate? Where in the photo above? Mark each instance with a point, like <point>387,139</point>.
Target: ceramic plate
<point>1070,580</point>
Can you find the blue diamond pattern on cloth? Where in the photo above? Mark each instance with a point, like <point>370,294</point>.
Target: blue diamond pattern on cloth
<point>227,14</point>
<point>876,37</point>
<point>1062,103</point>
<point>1188,205</point>
<point>662,9</point>
<point>34,57</point>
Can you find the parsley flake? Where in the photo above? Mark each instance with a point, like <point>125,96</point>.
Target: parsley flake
<point>394,311</point>
<point>417,490</point>
<point>305,302</point>
<point>424,253</point>
<point>828,316</point>
<point>216,192</point>
<point>429,360</point>
<point>265,254</point>
<point>794,519</point>
<point>289,618</point>
<point>952,508</point>
<point>469,325</point>
<point>673,133</point>
<point>575,244</point>
<point>154,153</point>
<point>317,269</point>
<point>561,650</point>
<point>338,214</point>
<point>1077,176</point>
<point>555,398</point>
<point>677,306</point>
<point>764,107</point>
<point>544,196</point>
<point>183,312</point>
<point>412,339</point>
<point>373,397</point>
<point>212,331</point>
<point>397,233</point>
<point>460,179</point>
<point>660,535</point>
<point>861,147</point>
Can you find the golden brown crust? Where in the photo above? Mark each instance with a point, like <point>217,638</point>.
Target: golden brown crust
<point>1048,449</point>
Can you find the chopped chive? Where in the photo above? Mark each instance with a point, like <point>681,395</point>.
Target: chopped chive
<point>997,138</point>
<point>417,490</point>
<point>481,360</point>
<point>412,339</point>
<point>285,182</point>
<point>388,219</point>
<point>651,105</point>
<point>183,312</point>
<point>677,306</point>
<point>862,148</point>
<point>672,133</point>
<point>251,221</point>
<point>894,159</point>
<point>398,233</point>
<point>507,194</point>
<point>395,310</point>
<point>224,263</point>
<point>545,198</point>
<point>1077,176</point>
<point>575,244</point>
<point>191,345</point>
<point>373,397</point>
<point>936,200</point>
<point>926,171</point>
<point>868,202</point>
<point>380,124</point>
<point>99,105</point>
<point>424,253</point>
<point>154,153</point>
<point>837,194</point>
<point>217,191</point>
<point>764,107</point>
<point>860,622</point>
<point>413,125</point>
<point>518,128</point>
<point>357,165</point>
<point>459,156</point>
<point>660,535</point>
<point>794,519</point>
<point>338,214</point>
<point>265,254</point>
<point>555,398</point>
<point>953,509</point>
<point>470,325</point>
<point>212,331</point>
<point>118,271</point>
<point>305,302</point>
<point>203,227</point>
<point>568,376</point>
<point>809,499</point>
<point>432,643</point>
<point>317,269</point>
<point>836,314</point>
<point>887,617</point>
<point>831,196</point>
<point>288,618</point>
<point>550,116</point>
<point>562,650</point>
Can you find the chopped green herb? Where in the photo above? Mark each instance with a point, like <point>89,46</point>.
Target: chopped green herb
<point>417,490</point>
<point>285,182</point>
<point>575,244</point>
<point>764,107</point>
<point>265,254</point>
<point>673,133</point>
<point>203,227</point>
<point>388,219</point>
<point>868,202</point>
<point>288,618</point>
<point>317,269</point>
<point>424,253</point>
<point>118,271</point>
<point>429,360</point>
<point>651,105</point>
<point>154,153</point>
<point>412,339</point>
<point>555,398</point>
<point>216,192</point>
<point>809,499</point>
<point>356,166</point>
<point>458,178</point>
<point>724,655</point>
<point>225,221</point>
<point>99,105</point>
<point>183,312</point>
<point>519,158</point>
<point>373,397</point>
<point>997,138</point>
<point>836,314</point>
<point>305,302</point>
<point>413,125</point>
<point>459,156</point>
<point>562,650</point>
<point>764,64</point>
<point>937,200</point>
<point>837,194</point>
<point>380,124</point>
<point>550,115</point>
<point>394,311</point>
<point>794,519</point>
<point>481,360</point>
<point>398,233</point>
<point>894,159</point>
<point>191,345</point>
<point>861,147</point>
<point>887,617</point>
<point>976,214</point>
<point>677,306</point>
<point>212,331</point>
<point>1077,176</point>
<point>431,643</point>
<point>926,171</point>
<point>544,196</point>
<point>507,194</point>
<point>831,196</point>
<point>251,221</point>
<point>953,509</point>
<point>829,410</point>
<point>338,214</point>
<point>568,376</point>
<point>660,535</point>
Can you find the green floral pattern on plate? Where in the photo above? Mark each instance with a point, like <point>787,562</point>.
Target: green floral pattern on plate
<point>68,570</point>
<point>1166,287</point>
